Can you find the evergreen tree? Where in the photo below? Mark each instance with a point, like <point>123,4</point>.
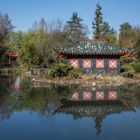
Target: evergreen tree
<point>137,49</point>
<point>75,29</point>
<point>97,23</point>
<point>5,30</point>
<point>101,29</point>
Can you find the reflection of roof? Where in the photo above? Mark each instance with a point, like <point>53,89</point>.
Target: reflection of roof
<point>92,48</point>
<point>93,108</point>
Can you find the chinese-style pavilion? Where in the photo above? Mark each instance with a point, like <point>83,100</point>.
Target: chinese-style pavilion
<point>94,57</point>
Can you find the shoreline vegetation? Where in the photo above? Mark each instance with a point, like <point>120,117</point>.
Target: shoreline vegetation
<point>64,74</point>
<point>91,80</point>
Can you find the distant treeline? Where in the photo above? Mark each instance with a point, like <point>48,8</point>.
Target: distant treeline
<point>37,45</point>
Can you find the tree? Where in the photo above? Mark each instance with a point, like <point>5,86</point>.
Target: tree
<point>5,29</point>
<point>126,35</point>
<point>137,49</point>
<point>38,44</point>
<point>108,34</point>
<point>97,23</point>
<point>101,29</point>
<point>33,48</point>
<point>75,29</point>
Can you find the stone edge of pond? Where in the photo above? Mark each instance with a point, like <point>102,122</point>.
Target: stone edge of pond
<point>90,81</point>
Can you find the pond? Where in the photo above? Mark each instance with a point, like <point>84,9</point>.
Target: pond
<point>38,111</point>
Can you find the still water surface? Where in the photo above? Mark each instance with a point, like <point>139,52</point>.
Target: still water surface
<point>37,111</point>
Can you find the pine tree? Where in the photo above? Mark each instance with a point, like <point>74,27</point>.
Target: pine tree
<point>97,23</point>
<point>5,29</point>
<point>101,29</point>
<point>75,29</point>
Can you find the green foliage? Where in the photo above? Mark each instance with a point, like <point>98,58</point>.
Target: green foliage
<point>75,29</point>
<point>128,67</point>
<point>60,70</point>
<point>97,23</point>
<point>75,73</point>
<point>137,67</point>
<point>128,74</point>
<point>128,71</point>
<point>129,37</point>
<point>101,29</point>
<point>37,45</point>
<point>137,49</point>
<point>5,29</point>
<point>126,36</point>
<point>108,34</point>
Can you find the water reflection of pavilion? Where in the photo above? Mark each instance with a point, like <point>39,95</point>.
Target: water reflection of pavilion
<point>96,104</point>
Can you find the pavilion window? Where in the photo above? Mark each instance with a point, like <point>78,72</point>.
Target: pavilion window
<point>75,96</point>
<point>100,63</point>
<point>87,95</point>
<point>36,71</point>
<point>99,95</point>
<point>112,63</point>
<point>74,63</point>
<point>112,95</point>
<point>87,63</point>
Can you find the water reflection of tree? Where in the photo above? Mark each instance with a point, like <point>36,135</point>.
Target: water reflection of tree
<point>131,95</point>
<point>98,124</point>
<point>44,101</point>
<point>6,84</point>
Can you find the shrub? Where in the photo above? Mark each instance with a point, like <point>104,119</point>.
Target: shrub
<point>128,67</point>
<point>137,67</point>
<point>128,74</point>
<point>75,73</point>
<point>128,70</point>
<point>60,70</point>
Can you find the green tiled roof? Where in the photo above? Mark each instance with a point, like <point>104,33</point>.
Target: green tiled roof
<point>90,48</point>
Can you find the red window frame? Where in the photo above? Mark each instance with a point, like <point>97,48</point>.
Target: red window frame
<point>101,61</point>
<point>110,63</point>
<point>74,63</point>
<point>87,63</point>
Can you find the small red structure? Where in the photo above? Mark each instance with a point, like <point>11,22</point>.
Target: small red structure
<point>12,55</point>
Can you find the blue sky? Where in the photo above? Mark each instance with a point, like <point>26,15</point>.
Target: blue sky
<point>24,12</point>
